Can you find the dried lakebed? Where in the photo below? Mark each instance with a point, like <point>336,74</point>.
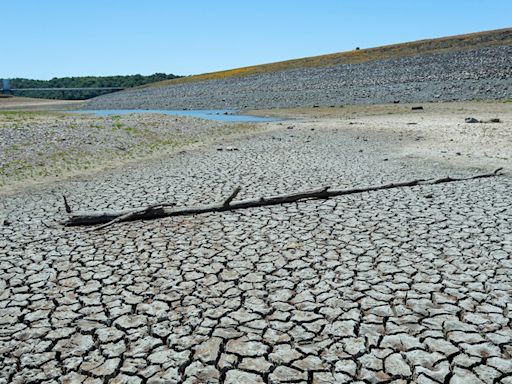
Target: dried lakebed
<point>405,285</point>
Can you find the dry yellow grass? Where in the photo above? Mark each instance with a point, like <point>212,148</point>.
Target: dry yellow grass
<point>421,47</point>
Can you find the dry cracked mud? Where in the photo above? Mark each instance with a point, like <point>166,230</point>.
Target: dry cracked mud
<point>405,285</point>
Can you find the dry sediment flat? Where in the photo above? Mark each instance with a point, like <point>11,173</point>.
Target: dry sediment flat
<point>407,285</point>
<point>22,103</point>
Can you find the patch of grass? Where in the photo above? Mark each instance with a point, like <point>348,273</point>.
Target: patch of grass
<point>134,131</point>
<point>117,125</point>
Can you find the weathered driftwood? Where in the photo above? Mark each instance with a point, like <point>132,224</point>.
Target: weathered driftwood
<point>107,218</point>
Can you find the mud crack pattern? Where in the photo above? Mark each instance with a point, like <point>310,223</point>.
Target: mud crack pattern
<point>409,285</point>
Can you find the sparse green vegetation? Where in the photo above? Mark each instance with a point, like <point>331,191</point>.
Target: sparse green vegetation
<point>61,144</point>
<point>134,131</point>
<point>117,125</point>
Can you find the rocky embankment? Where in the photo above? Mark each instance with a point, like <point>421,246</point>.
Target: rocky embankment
<point>479,74</point>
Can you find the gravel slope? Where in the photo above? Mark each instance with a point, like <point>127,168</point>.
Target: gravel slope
<point>478,74</point>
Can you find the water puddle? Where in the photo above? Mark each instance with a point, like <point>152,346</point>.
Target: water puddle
<point>214,114</point>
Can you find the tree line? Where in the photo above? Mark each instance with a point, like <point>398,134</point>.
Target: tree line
<point>82,82</point>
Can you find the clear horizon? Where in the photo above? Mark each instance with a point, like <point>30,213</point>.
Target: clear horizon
<point>95,38</point>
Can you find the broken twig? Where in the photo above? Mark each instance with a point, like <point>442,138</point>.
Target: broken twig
<point>232,196</point>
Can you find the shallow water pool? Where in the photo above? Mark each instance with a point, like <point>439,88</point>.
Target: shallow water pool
<point>214,114</point>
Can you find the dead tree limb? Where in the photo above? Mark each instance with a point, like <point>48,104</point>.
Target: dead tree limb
<point>66,205</point>
<point>232,196</point>
<point>106,218</point>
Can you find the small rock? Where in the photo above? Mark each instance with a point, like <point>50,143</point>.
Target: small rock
<point>420,108</point>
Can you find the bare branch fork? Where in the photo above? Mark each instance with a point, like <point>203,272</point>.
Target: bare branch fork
<point>106,218</point>
<point>232,196</point>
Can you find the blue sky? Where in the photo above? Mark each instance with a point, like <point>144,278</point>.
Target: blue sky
<point>52,38</point>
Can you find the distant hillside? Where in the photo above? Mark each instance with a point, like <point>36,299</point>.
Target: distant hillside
<point>422,47</point>
<point>83,82</point>
<point>469,67</point>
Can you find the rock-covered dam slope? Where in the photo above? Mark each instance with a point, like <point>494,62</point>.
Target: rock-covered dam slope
<point>478,74</point>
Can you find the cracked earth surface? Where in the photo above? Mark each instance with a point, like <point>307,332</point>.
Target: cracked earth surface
<point>404,285</point>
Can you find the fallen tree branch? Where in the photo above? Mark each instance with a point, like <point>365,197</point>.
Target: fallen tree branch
<point>232,196</point>
<point>107,218</point>
<point>66,205</point>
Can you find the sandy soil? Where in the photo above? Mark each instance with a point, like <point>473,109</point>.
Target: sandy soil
<point>438,133</point>
<point>17,103</point>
